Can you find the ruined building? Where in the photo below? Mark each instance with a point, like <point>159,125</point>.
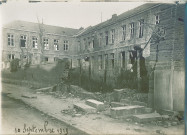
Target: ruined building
<point>147,41</point>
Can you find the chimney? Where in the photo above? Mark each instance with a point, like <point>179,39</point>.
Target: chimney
<point>114,16</point>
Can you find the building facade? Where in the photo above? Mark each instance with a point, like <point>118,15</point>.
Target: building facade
<point>35,43</point>
<point>147,41</point>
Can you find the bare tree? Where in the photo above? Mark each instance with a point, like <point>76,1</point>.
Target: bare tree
<point>41,33</point>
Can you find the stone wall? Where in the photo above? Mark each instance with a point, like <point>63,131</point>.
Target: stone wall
<point>35,54</point>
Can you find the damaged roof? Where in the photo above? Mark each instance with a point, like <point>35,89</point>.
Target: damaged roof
<point>34,27</point>
<point>121,17</point>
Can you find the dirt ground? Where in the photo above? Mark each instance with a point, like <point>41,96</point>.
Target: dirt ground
<point>99,123</point>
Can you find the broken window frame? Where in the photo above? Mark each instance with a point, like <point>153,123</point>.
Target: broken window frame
<point>132,29</point>
<point>123,32</point>
<point>46,43</point>
<point>66,45</point>
<point>10,40</point>
<point>141,28</point>
<point>56,45</point>
<point>23,38</point>
<point>112,36</point>
<point>35,42</point>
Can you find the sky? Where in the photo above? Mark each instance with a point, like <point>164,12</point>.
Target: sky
<point>65,14</point>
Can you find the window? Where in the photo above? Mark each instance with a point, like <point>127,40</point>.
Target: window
<point>123,32</point>
<point>34,42</point>
<point>157,19</point>
<point>11,56</point>
<point>55,58</point>
<point>91,44</point>
<point>25,56</point>
<point>23,40</point>
<point>123,59</point>
<point>66,45</point>
<point>46,44</point>
<point>79,46</point>
<point>92,62</point>
<point>132,30</point>
<point>112,60</point>
<point>106,37</point>
<point>100,62</point>
<point>100,39</point>
<point>84,44</point>
<point>56,46</point>
<point>113,35</point>
<point>141,25</point>
<point>46,59</point>
<point>106,61</point>
<point>10,40</point>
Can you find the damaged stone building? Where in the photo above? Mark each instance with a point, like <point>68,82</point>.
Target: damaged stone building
<point>35,43</point>
<point>147,41</point>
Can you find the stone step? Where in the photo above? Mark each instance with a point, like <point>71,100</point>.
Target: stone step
<point>117,104</point>
<point>96,104</point>
<point>126,111</point>
<point>167,112</point>
<point>85,108</point>
<point>117,94</point>
<point>45,89</point>
<point>147,117</point>
<point>126,101</point>
<point>148,110</point>
<point>138,103</point>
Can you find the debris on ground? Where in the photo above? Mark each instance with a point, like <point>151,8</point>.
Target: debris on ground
<point>127,128</point>
<point>159,132</point>
<point>28,96</point>
<point>96,118</point>
<point>137,130</point>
